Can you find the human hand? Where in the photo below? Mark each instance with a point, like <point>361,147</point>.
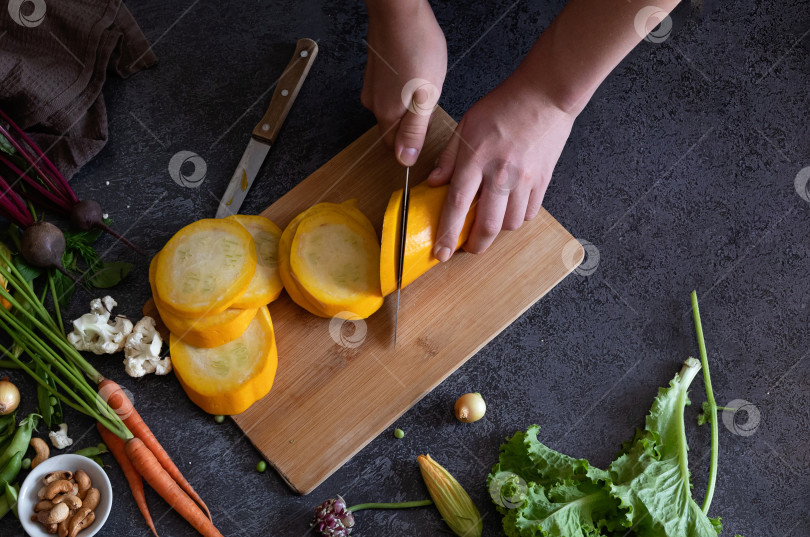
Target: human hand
<point>407,63</point>
<point>505,148</point>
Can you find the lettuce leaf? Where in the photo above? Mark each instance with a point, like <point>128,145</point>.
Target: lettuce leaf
<point>651,480</point>
<point>645,491</point>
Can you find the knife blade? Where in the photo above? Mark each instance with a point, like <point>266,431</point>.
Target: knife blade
<point>265,133</point>
<point>403,234</point>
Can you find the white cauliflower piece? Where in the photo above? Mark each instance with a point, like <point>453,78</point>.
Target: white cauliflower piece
<point>142,351</point>
<point>95,333</point>
<point>60,438</point>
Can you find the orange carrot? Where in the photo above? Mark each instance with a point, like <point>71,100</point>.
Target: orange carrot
<point>116,447</point>
<point>146,464</point>
<point>121,404</point>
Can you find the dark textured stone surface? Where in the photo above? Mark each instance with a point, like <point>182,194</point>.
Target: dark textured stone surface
<point>680,171</point>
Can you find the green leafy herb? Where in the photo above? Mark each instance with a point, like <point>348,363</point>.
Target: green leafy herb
<point>110,274</point>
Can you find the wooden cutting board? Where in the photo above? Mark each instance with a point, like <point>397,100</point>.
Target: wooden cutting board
<point>445,317</point>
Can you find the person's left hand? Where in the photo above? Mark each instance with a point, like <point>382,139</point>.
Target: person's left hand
<point>505,148</point>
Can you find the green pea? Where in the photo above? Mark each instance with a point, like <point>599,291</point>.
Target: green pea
<point>219,419</point>
<point>399,433</point>
<point>52,400</point>
<point>26,463</point>
<point>261,466</point>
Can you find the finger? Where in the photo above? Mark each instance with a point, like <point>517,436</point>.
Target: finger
<point>388,130</point>
<point>490,213</point>
<point>463,187</point>
<point>365,94</point>
<point>535,202</point>
<point>413,128</point>
<point>443,171</point>
<point>516,208</point>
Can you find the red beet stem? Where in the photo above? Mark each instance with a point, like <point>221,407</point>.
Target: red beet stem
<point>107,229</point>
<point>60,203</point>
<point>13,206</point>
<point>61,183</point>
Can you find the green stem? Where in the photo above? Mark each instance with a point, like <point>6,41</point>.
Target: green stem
<point>399,505</point>
<point>707,380</point>
<point>8,364</point>
<point>55,298</point>
<point>57,339</point>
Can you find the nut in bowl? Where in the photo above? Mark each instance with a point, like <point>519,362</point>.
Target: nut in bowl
<point>72,480</point>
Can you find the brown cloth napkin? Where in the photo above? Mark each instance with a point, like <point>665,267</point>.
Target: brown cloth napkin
<point>54,57</point>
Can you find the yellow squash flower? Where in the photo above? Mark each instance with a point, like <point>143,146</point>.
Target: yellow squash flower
<point>453,502</point>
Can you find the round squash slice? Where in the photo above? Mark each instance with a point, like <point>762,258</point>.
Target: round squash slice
<point>265,286</point>
<point>205,267</point>
<point>290,284</point>
<point>335,260</point>
<point>207,331</point>
<point>424,212</point>
<point>226,380</point>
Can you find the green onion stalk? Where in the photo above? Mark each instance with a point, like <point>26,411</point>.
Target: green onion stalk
<point>36,333</point>
<point>707,380</point>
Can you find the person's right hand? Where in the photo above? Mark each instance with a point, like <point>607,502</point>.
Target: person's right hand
<point>407,63</point>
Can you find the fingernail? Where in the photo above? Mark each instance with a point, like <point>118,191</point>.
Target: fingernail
<point>443,253</point>
<point>408,156</point>
<point>435,173</point>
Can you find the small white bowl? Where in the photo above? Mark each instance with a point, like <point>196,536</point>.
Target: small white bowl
<point>30,487</point>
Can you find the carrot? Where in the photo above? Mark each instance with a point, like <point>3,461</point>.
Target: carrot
<point>146,464</point>
<point>122,406</point>
<point>116,447</point>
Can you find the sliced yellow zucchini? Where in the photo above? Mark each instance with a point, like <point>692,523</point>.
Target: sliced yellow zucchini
<point>265,286</point>
<point>205,267</point>
<point>226,380</point>
<point>208,330</point>
<point>334,258</point>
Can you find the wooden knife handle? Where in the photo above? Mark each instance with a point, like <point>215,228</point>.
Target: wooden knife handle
<point>286,90</point>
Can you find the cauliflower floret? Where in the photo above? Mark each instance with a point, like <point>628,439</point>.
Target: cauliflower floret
<point>142,351</point>
<point>95,333</point>
<point>60,438</point>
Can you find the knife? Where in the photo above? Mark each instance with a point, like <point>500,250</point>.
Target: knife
<point>264,134</point>
<point>403,235</point>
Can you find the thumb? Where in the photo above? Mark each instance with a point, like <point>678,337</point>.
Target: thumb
<point>413,128</point>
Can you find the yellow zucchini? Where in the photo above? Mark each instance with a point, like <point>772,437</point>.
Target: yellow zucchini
<point>226,380</point>
<point>207,331</point>
<point>205,267</point>
<point>265,286</point>
<point>424,211</point>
